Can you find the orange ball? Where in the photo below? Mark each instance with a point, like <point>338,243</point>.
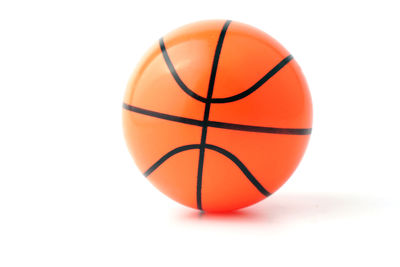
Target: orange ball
<point>217,115</point>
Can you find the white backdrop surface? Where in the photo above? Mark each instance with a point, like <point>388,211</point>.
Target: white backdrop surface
<point>70,194</point>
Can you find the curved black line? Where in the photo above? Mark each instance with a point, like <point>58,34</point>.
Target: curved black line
<point>168,155</point>
<point>236,97</point>
<point>241,166</point>
<point>257,85</point>
<point>259,129</point>
<point>176,76</point>
<point>162,115</point>
<point>220,150</point>
<point>207,111</point>
<point>216,60</point>
<point>221,125</point>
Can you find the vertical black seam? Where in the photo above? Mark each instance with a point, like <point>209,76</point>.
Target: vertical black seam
<point>207,113</point>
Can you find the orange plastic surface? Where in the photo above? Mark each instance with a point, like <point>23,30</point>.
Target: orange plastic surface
<point>217,115</point>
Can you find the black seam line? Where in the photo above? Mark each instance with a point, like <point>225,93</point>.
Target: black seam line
<point>178,80</point>
<point>260,129</point>
<point>168,155</point>
<point>241,95</point>
<point>242,167</point>
<point>199,182</point>
<point>162,115</point>
<point>220,150</point>
<point>257,85</point>
<point>221,125</point>
<point>207,112</point>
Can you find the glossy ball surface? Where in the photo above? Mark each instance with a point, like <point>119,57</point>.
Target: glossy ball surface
<point>217,115</point>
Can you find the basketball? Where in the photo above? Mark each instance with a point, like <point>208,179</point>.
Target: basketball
<point>217,115</point>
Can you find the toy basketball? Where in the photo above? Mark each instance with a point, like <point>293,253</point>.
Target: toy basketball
<point>217,115</point>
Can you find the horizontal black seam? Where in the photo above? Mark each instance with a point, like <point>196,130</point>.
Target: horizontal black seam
<point>259,129</point>
<point>221,125</point>
<point>162,115</point>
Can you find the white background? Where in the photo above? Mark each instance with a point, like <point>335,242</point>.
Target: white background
<point>70,194</point>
